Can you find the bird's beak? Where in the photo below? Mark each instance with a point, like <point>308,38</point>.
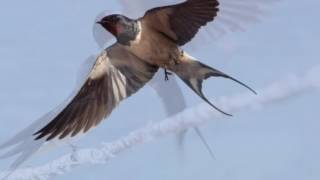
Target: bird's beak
<point>104,22</point>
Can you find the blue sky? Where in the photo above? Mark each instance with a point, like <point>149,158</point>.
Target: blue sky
<point>44,43</point>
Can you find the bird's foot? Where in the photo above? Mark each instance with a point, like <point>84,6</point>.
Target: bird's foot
<point>167,74</point>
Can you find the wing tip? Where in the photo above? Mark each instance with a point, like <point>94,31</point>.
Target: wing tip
<point>39,135</point>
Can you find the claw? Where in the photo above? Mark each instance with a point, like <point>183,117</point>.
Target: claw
<point>167,74</point>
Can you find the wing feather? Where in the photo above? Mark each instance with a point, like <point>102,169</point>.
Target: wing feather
<point>181,22</point>
<point>116,75</point>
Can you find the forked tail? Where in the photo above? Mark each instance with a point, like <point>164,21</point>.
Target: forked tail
<point>193,73</point>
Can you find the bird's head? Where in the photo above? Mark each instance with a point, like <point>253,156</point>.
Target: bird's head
<point>123,28</point>
<point>115,24</point>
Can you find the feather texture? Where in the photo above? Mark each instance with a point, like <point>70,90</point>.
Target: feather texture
<point>116,75</point>
<point>181,22</point>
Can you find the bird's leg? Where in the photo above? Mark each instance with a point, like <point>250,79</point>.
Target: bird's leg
<point>175,59</point>
<point>167,74</point>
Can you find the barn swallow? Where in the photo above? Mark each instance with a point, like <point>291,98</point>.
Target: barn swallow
<point>143,46</point>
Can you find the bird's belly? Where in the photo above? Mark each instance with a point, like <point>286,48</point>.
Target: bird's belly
<point>154,52</point>
<point>150,53</point>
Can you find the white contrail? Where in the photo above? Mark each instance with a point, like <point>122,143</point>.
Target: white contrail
<point>276,92</point>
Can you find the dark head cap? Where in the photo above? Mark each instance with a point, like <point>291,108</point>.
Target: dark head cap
<point>113,23</point>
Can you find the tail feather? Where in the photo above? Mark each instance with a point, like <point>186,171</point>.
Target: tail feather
<point>193,73</point>
<point>196,86</point>
<point>217,73</point>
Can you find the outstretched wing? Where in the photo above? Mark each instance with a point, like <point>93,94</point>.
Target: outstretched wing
<point>116,75</point>
<point>181,22</point>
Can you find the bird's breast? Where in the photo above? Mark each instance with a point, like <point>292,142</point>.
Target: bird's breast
<point>151,46</point>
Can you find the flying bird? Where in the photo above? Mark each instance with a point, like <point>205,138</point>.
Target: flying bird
<point>143,46</point>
